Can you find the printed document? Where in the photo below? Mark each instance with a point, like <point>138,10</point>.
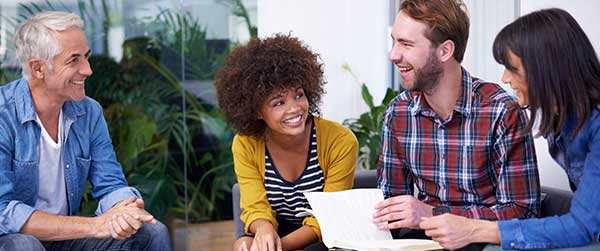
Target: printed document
<point>346,221</point>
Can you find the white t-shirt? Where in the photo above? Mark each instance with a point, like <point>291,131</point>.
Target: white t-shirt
<point>52,194</point>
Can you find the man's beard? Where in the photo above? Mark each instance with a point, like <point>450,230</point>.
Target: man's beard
<point>428,77</point>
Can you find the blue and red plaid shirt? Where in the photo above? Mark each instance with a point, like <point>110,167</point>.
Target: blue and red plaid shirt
<point>478,162</point>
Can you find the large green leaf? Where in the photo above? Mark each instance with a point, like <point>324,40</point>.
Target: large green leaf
<point>366,95</point>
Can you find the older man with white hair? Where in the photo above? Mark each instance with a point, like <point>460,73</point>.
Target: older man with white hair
<point>53,140</point>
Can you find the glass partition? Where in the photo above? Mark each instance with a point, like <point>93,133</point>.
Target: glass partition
<point>153,65</point>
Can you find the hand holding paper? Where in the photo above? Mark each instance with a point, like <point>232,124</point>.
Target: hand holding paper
<point>346,221</point>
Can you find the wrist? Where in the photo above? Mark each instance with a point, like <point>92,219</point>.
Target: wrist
<point>260,225</point>
<point>485,231</point>
<point>94,226</point>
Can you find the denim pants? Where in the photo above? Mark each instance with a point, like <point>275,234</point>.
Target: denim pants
<point>150,237</point>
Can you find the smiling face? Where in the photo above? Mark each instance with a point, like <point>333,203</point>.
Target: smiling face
<point>285,112</point>
<point>414,55</point>
<point>516,78</point>
<point>65,80</point>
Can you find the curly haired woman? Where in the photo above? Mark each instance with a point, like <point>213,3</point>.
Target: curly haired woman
<point>269,91</point>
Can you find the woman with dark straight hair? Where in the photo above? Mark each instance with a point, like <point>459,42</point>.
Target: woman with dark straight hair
<point>554,70</point>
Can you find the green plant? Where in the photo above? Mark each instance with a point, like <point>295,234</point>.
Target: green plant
<point>367,127</point>
<point>185,49</point>
<point>238,9</point>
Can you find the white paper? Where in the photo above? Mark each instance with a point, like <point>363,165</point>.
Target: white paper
<point>346,221</point>
<point>347,215</point>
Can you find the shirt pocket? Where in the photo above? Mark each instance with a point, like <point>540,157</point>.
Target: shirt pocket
<point>83,166</point>
<point>26,180</point>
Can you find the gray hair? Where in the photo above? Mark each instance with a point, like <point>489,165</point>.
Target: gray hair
<point>36,36</point>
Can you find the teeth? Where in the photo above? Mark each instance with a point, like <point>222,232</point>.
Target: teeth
<point>404,68</point>
<point>80,82</point>
<point>293,120</point>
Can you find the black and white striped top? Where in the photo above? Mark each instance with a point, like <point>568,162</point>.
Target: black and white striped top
<point>285,196</point>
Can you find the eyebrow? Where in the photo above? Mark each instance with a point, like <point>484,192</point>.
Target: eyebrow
<point>403,40</point>
<point>75,55</point>
<point>276,96</point>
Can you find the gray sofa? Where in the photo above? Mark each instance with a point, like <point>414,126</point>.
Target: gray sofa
<point>554,201</point>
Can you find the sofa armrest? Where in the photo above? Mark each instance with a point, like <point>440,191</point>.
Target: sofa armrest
<point>237,211</point>
<point>555,201</point>
<point>365,179</point>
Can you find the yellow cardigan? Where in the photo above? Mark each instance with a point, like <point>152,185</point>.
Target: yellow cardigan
<point>337,149</point>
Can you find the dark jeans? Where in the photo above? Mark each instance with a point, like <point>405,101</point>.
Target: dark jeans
<point>404,233</point>
<point>150,237</point>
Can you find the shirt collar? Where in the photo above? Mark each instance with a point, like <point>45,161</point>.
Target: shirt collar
<point>26,110</point>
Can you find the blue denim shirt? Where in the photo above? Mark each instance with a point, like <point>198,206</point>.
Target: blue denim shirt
<point>579,156</point>
<point>88,155</point>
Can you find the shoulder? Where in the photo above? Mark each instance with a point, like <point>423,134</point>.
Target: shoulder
<point>9,120</point>
<point>86,107</point>
<point>331,127</point>
<point>91,105</point>
<point>332,132</point>
<point>244,144</point>
<point>491,94</point>
<point>403,100</point>
<point>593,123</point>
<point>8,93</point>
<point>404,103</point>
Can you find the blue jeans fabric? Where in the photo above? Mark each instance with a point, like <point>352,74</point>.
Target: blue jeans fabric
<point>151,237</point>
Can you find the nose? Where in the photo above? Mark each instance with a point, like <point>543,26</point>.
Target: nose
<point>86,69</point>
<point>293,106</point>
<point>395,54</point>
<point>506,76</point>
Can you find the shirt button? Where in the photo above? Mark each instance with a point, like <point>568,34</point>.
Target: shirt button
<point>67,165</point>
<point>71,194</point>
<point>512,244</point>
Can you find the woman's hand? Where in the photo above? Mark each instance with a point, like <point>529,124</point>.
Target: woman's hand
<point>243,244</point>
<point>265,237</point>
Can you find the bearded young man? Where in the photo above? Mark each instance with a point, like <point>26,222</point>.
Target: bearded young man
<point>457,139</point>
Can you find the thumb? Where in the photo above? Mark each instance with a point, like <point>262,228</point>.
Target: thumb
<point>148,218</point>
<point>139,203</point>
<point>244,246</point>
<point>426,223</point>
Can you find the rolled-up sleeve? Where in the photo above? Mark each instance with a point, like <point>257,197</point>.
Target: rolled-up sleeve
<point>14,216</point>
<point>121,194</point>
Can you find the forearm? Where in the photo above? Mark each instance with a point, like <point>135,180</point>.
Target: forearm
<point>51,227</point>
<point>485,231</point>
<point>299,239</point>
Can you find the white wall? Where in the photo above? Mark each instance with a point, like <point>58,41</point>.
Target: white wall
<point>342,31</point>
<point>487,18</point>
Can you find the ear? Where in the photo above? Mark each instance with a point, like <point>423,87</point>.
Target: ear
<point>36,68</point>
<point>446,50</point>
